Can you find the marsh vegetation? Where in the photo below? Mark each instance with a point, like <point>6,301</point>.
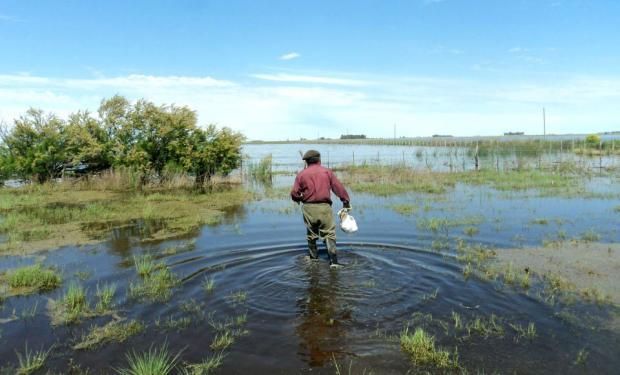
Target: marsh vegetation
<point>451,268</point>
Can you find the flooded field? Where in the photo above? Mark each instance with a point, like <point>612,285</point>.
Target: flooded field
<point>239,291</point>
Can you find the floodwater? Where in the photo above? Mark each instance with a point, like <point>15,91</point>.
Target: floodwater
<point>303,317</point>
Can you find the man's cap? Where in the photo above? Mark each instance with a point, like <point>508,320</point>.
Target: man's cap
<point>311,154</point>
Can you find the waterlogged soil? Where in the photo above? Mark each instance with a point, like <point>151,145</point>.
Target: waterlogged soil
<point>584,265</point>
<point>288,315</point>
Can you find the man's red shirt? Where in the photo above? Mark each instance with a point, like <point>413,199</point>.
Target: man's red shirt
<point>313,185</point>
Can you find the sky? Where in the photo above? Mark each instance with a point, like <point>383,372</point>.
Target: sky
<point>278,70</point>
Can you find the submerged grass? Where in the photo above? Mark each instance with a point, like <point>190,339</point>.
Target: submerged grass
<point>31,361</point>
<point>155,287</point>
<point>206,367</point>
<point>72,307</point>
<point>40,217</point>
<point>114,331</point>
<point>386,180</point>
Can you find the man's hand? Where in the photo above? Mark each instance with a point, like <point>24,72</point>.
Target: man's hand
<point>346,205</point>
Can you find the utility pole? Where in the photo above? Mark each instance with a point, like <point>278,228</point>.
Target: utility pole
<point>544,124</point>
<point>394,131</point>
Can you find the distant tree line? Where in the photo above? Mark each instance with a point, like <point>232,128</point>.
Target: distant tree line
<point>149,139</point>
<point>353,136</point>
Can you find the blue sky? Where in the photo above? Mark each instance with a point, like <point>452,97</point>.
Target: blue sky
<point>291,69</point>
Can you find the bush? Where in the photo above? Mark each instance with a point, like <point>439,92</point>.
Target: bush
<point>156,143</point>
<point>593,141</point>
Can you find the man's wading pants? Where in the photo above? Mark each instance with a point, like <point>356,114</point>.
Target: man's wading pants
<point>319,220</point>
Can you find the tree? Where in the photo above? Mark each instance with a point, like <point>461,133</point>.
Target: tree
<point>87,142</point>
<point>5,155</point>
<point>593,141</point>
<point>37,146</point>
<point>215,151</point>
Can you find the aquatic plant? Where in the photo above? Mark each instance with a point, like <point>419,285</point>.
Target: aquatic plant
<point>405,208</point>
<point>528,332</point>
<point>261,171</point>
<point>33,278</point>
<point>105,297</point>
<point>114,331</point>
<point>208,284</point>
<point>155,287</point>
<point>145,265</point>
<point>582,357</point>
<point>222,341</point>
<point>155,361</point>
<point>485,327</point>
<point>31,361</point>
<point>238,296</point>
<point>471,231</point>
<point>590,236</point>
<point>421,348</point>
<point>206,367</point>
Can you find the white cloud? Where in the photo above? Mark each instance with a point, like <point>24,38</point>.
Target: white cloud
<point>290,106</point>
<point>290,56</point>
<point>284,77</point>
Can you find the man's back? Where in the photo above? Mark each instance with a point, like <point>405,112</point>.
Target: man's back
<point>314,185</point>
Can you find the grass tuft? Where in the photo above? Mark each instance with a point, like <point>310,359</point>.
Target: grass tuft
<point>105,297</point>
<point>157,361</point>
<point>112,332</point>
<point>206,367</point>
<point>222,341</point>
<point>31,361</point>
<point>421,348</point>
<point>33,278</point>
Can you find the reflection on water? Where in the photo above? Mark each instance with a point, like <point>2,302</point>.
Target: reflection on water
<point>322,329</point>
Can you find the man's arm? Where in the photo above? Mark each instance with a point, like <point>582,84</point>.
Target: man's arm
<point>296,194</point>
<point>339,189</point>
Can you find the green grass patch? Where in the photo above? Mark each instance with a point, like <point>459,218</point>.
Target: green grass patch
<point>405,209</point>
<point>222,341</point>
<point>31,361</point>
<point>72,307</point>
<point>420,346</point>
<point>114,331</point>
<point>34,278</point>
<point>49,216</point>
<point>155,287</point>
<point>155,361</point>
<point>206,367</point>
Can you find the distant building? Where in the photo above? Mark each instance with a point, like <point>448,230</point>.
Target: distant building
<point>353,136</point>
<point>514,133</point>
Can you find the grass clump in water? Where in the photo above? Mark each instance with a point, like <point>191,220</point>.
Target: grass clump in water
<point>222,341</point>
<point>528,332</point>
<point>156,287</point>
<point>72,307</point>
<point>421,348</point>
<point>145,265</point>
<point>105,296</point>
<point>405,209</point>
<point>31,361</point>
<point>208,284</point>
<point>33,278</point>
<point>156,361</point>
<point>590,236</point>
<point>206,367</point>
<point>112,332</point>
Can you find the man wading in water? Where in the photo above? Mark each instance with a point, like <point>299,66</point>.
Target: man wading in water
<point>313,188</point>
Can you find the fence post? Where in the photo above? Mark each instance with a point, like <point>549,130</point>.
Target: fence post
<point>476,157</point>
